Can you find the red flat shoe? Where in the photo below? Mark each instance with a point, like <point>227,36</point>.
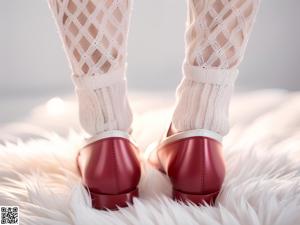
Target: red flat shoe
<point>110,169</point>
<point>194,163</point>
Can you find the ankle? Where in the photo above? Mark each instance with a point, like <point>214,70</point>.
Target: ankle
<point>203,99</point>
<point>103,102</point>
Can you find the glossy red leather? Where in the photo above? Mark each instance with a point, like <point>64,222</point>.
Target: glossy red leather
<point>195,166</point>
<point>110,169</point>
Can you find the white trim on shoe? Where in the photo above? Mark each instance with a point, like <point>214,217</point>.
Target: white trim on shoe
<point>109,134</point>
<point>191,133</point>
<point>179,136</point>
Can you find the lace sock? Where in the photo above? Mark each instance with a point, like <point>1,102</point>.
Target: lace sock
<point>216,37</point>
<point>94,34</point>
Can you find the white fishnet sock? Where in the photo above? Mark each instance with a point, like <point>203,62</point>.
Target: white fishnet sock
<point>94,34</point>
<point>216,37</point>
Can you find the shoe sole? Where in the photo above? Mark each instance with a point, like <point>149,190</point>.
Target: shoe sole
<point>113,202</point>
<point>208,199</point>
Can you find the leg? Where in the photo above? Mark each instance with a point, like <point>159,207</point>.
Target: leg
<point>94,34</point>
<point>191,153</point>
<point>216,38</point>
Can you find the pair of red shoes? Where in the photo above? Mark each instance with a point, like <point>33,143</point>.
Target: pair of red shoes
<point>110,167</point>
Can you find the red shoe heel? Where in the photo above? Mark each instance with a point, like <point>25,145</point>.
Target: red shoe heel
<point>194,198</point>
<point>110,170</point>
<point>193,161</point>
<point>113,202</point>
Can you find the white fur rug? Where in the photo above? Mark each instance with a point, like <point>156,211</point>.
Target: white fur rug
<point>262,153</point>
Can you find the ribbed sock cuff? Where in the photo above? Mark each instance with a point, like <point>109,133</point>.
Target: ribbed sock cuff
<point>103,102</point>
<point>203,99</point>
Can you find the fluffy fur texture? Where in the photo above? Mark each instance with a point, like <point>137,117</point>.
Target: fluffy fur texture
<point>262,184</point>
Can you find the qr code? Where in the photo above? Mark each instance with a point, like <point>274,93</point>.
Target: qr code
<point>10,215</point>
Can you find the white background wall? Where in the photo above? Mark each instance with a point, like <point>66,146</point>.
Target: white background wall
<point>33,65</point>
